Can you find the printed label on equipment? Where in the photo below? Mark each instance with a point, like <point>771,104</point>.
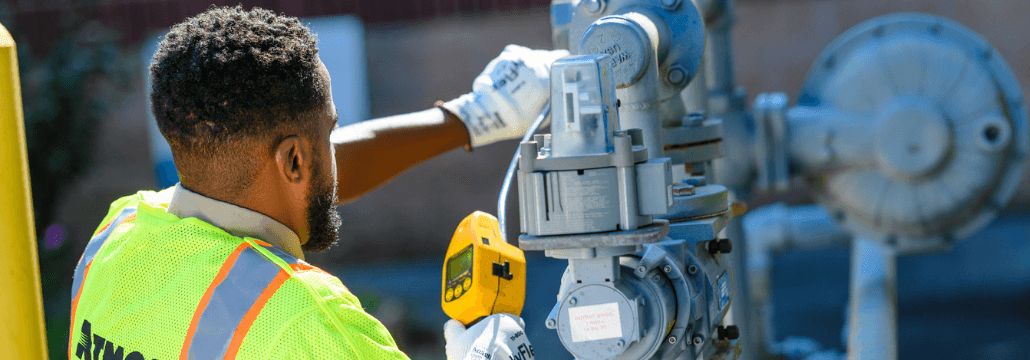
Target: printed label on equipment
<point>595,322</point>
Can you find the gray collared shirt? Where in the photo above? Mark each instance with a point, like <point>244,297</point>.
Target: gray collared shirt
<point>233,219</point>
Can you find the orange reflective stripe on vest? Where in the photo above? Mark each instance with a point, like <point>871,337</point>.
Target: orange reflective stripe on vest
<point>82,269</point>
<point>234,299</point>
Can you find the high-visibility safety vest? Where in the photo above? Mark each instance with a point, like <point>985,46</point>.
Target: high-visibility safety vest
<point>153,286</point>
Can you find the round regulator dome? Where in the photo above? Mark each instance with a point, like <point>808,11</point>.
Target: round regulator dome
<point>949,128</point>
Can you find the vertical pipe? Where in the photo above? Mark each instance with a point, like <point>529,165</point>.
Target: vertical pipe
<point>873,303</point>
<point>718,59</point>
<point>695,95</point>
<point>775,229</point>
<point>639,110</point>
<point>21,300</point>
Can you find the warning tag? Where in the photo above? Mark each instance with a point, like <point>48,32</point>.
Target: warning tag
<point>595,322</point>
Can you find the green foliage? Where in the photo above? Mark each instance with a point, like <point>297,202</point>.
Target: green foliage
<point>66,93</point>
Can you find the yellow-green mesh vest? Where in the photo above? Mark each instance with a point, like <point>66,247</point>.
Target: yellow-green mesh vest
<point>153,286</point>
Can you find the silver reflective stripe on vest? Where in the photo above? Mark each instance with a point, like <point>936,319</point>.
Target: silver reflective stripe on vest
<point>229,303</point>
<point>94,246</point>
<point>282,254</point>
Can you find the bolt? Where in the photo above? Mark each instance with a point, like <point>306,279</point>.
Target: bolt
<point>672,339</point>
<point>656,278</point>
<point>572,301</point>
<point>738,207</point>
<point>641,269</point>
<point>595,6</point>
<point>830,62</point>
<point>696,118</point>
<point>683,190</point>
<point>676,76</point>
<point>671,4</point>
<point>698,339</point>
<point>551,323</point>
<point>724,246</point>
<point>731,332</point>
<point>620,343</point>
<point>692,269</point>
<point>839,215</point>
<point>695,181</point>
<point>892,240</point>
<point>667,269</point>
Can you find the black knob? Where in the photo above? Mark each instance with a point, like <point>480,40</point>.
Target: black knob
<point>724,246</point>
<point>731,332</point>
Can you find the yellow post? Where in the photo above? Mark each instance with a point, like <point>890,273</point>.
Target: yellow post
<point>22,335</point>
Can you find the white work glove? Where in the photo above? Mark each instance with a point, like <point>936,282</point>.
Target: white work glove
<point>507,96</point>
<point>496,337</point>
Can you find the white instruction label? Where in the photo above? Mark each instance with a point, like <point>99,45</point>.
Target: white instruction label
<point>595,322</point>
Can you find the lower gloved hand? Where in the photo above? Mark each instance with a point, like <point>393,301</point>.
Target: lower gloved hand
<point>507,96</point>
<point>496,337</point>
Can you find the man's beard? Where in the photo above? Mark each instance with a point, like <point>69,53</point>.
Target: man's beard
<point>323,219</point>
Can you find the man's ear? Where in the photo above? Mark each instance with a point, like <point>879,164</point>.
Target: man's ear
<point>290,158</point>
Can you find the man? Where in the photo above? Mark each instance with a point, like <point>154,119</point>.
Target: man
<point>214,267</point>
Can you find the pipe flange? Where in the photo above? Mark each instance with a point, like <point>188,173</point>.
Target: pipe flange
<point>648,234</point>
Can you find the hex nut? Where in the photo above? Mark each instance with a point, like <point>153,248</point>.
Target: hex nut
<point>676,76</point>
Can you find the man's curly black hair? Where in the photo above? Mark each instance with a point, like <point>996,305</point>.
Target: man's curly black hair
<point>229,76</point>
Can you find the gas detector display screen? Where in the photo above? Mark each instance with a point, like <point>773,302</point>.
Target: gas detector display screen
<point>459,263</point>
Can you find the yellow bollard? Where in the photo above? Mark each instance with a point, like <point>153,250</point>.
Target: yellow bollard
<point>22,335</point>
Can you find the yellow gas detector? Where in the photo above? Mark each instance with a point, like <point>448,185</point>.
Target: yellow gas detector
<point>482,274</point>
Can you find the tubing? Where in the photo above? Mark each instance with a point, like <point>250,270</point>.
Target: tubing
<point>503,196</point>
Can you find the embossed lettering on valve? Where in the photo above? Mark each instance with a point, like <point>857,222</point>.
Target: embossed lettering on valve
<point>614,50</point>
<point>624,42</point>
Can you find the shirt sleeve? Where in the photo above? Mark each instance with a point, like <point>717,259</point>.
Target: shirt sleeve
<point>334,327</point>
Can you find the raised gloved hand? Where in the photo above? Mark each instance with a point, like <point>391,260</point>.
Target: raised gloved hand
<point>496,337</point>
<point>507,96</point>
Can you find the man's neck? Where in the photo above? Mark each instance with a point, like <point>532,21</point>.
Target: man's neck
<point>235,219</point>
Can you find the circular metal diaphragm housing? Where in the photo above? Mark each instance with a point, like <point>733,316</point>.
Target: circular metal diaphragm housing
<point>949,123</point>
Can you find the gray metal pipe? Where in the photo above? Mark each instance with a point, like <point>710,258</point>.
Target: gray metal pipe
<point>639,110</point>
<point>770,230</point>
<point>873,303</point>
<point>640,100</point>
<point>695,95</point>
<point>718,58</point>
